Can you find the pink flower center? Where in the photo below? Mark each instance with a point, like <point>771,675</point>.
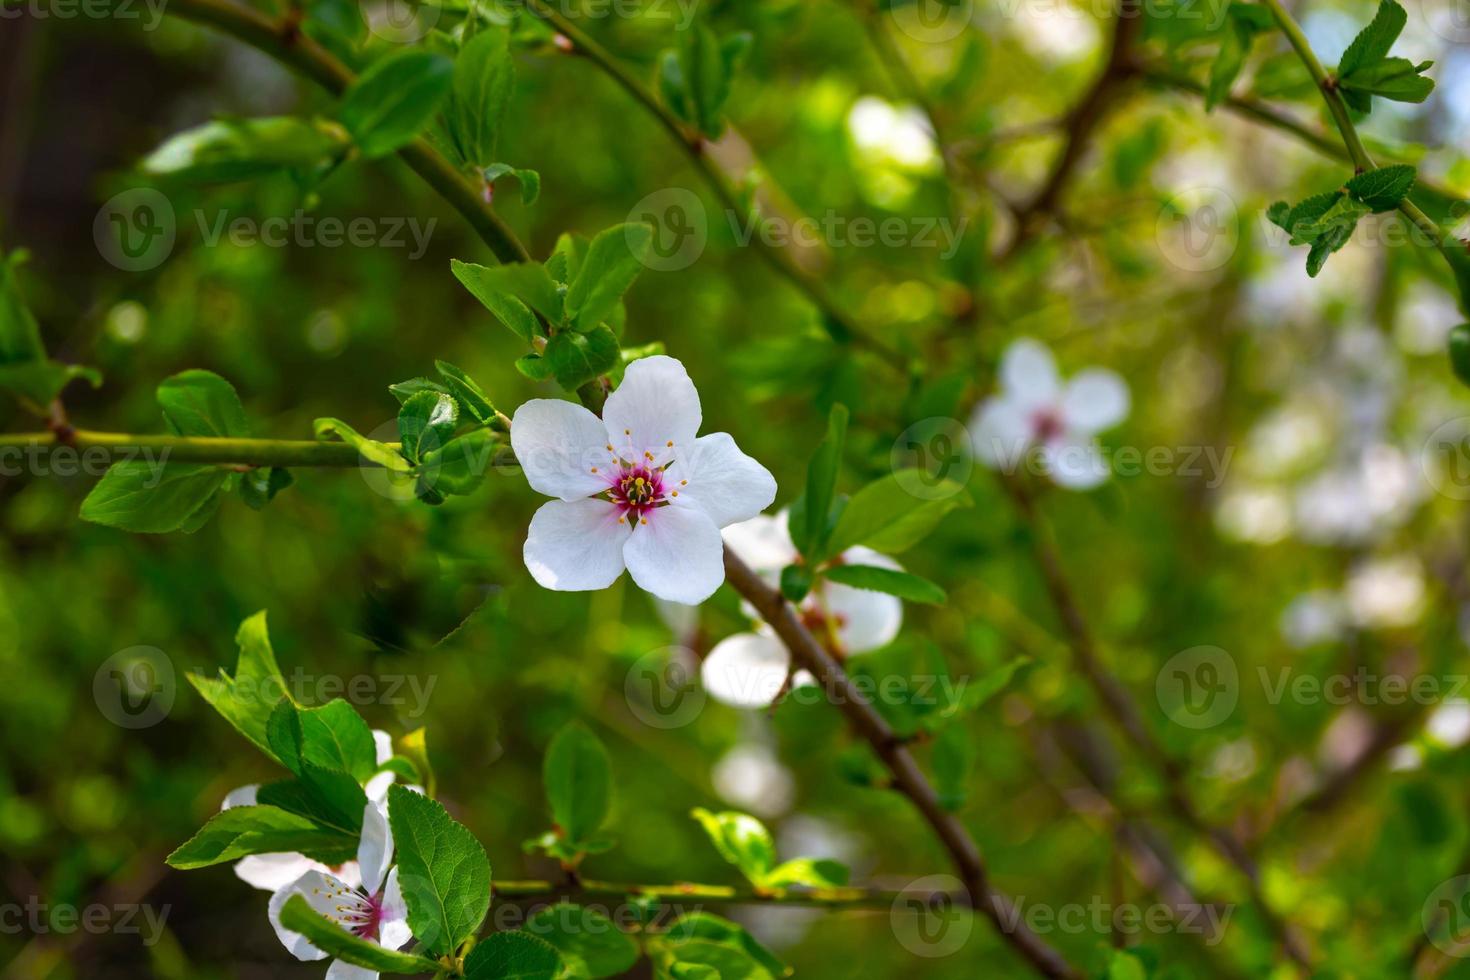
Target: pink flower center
<point>1047,425</point>
<point>636,489</point>
<point>364,916</point>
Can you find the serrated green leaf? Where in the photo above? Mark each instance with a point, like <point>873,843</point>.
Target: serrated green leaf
<point>333,736</point>
<point>905,585</point>
<point>1372,44</point>
<point>886,517</point>
<point>578,777</point>
<point>512,956</point>
<point>471,396</point>
<point>442,871</point>
<point>612,262</point>
<point>1398,79</point>
<point>426,422</point>
<point>590,944</point>
<point>1383,189</point>
<point>577,358</point>
<point>394,100</point>
<point>244,830</point>
<point>340,944</point>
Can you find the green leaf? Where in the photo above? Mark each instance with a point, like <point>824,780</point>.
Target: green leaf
<point>333,736</point>
<point>578,777</point>
<point>369,449</point>
<point>338,943</point>
<point>471,397</point>
<point>41,381</point>
<point>528,284</point>
<point>260,486</point>
<point>905,585</point>
<point>512,956</point>
<point>821,483</point>
<point>692,960</point>
<point>530,180</point>
<point>426,422</point>
<point>1398,79</point>
<point>577,358</point>
<point>884,516</point>
<point>392,102</point>
<point>953,757</point>
<point>442,870</point>
<point>566,261</point>
<point>612,263</point>
<point>460,467</point>
<point>591,945</point>
<point>229,150</point>
<point>247,699</point>
<point>1459,347</point>
<point>1383,189</point>
<point>484,79</point>
<point>808,872</point>
<point>1372,44</point>
<point>741,840</point>
<point>327,797</point>
<point>404,390</point>
<point>244,830</point>
<point>24,368</point>
<point>712,928</point>
<point>149,498</point>
<point>201,403</point>
<point>796,582</point>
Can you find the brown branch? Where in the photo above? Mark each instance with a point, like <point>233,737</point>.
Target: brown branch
<point>907,777</point>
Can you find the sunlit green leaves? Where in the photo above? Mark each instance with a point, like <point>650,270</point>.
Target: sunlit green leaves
<point>744,842</point>
<point>1326,221</point>
<point>442,870</point>
<point>1366,70</point>
<point>340,944</point>
<point>247,697</point>
<point>228,150</point>
<point>381,453</point>
<point>393,101</point>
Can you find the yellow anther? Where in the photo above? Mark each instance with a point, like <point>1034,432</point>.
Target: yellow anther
<point>627,432</point>
<point>594,469</point>
<point>676,493</point>
<point>670,444</point>
<point>642,520</point>
<point>683,483</point>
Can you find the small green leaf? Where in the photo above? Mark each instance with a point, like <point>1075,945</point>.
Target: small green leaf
<point>149,498</point>
<point>809,873</point>
<point>1383,189</point>
<point>741,840</point>
<point>591,945</point>
<point>699,959</point>
<point>821,483</point>
<point>201,403</point>
<point>247,698</point>
<point>442,870</point>
<point>1372,44</point>
<point>244,830</point>
<point>886,517</point>
<point>229,150</point>
<point>578,777</point>
<point>484,79</point>
<point>392,102</point>
<point>426,422</point>
<point>381,453</point>
<point>490,291</point>
<point>712,928</point>
<point>24,367</point>
<point>460,467</point>
<point>577,358</point>
<point>512,956</point>
<point>611,264</point>
<point>796,582</point>
<point>905,585</point>
<point>340,944</point>
<point>471,396</point>
<point>1398,79</point>
<point>333,736</point>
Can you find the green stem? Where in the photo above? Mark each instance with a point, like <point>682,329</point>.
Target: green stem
<point>187,449</point>
<point>672,894</point>
<point>1338,109</point>
<point>283,40</point>
<point>837,323</point>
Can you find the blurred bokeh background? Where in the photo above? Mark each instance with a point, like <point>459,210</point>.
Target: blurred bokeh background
<point>1317,542</point>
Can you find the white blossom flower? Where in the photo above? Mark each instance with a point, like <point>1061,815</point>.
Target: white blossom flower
<point>271,872</point>
<point>747,670</point>
<point>1035,410</point>
<point>373,909</point>
<point>635,489</point>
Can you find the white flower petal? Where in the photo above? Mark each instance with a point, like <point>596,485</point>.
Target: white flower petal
<point>727,484</point>
<point>322,892</point>
<point>763,542</point>
<point>656,404</point>
<point>375,850</point>
<point>382,745</point>
<point>1094,400</point>
<point>1075,462</point>
<point>745,670</point>
<point>678,555</point>
<point>557,444</point>
<point>1001,431</point>
<point>342,970</point>
<point>393,931</point>
<point>576,546</point>
<point>240,796</point>
<point>271,872</point>
<point>376,788</point>
<point>866,620</point>
<point>1028,373</point>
